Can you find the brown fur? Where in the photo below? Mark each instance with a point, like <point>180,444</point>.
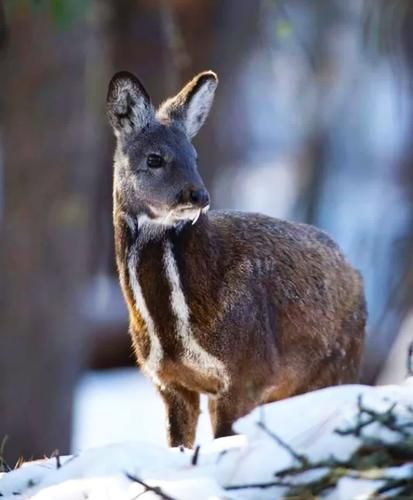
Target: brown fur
<point>276,301</point>
<point>274,308</point>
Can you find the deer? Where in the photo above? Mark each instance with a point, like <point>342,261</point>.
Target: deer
<point>241,307</point>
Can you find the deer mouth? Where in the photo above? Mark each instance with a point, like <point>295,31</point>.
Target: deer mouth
<point>189,213</point>
<point>177,214</point>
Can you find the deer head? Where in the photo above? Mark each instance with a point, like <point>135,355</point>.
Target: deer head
<point>156,173</point>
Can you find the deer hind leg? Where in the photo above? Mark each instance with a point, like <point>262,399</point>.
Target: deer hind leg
<point>182,412</point>
<point>221,418</point>
<point>227,408</point>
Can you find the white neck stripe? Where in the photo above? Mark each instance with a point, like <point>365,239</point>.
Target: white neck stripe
<point>152,363</point>
<point>194,354</point>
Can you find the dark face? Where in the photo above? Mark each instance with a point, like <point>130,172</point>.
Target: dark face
<point>156,177</point>
<point>157,168</point>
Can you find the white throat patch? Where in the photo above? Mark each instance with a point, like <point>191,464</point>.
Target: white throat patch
<point>195,356</point>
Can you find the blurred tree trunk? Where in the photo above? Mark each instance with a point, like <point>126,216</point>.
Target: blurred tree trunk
<point>48,174</point>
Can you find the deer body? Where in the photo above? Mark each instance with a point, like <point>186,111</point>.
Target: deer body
<point>242,307</point>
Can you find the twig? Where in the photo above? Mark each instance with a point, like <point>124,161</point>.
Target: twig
<point>221,454</point>
<point>4,466</point>
<point>56,454</point>
<point>386,418</point>
<point>153,489</point>
<point>368,461</point>
<point>393,484</point>
<point>195,456</point>
<point>329,463</point>
<point>301,458</point>
<point>270,484</point>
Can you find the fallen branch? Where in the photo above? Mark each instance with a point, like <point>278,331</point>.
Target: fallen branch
<point>300,458</point>
<point>386,418</point>
<point>153,489</point>
<point>270,484</point>
<point>369,461</point>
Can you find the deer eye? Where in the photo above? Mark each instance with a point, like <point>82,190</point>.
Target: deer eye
<point>155,161</point>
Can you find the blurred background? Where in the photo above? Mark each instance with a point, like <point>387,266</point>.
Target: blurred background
<point>312,121</point>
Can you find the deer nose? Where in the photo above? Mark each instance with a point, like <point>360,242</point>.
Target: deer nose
<point>199,197</point>
<point>196,196</point>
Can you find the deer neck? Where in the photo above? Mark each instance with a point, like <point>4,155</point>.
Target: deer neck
<point>149,263</point>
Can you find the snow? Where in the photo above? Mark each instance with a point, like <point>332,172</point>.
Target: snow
<point>305,422</point>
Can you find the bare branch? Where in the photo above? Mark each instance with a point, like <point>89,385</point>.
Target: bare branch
<point>153,489</point>
<point>301,458</point>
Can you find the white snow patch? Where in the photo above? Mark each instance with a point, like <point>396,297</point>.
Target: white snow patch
<point>306,423</point>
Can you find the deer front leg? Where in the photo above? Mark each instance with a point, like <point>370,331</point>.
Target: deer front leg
<point>182,412</point>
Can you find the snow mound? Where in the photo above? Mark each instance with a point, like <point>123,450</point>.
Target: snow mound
<point>224,467</point>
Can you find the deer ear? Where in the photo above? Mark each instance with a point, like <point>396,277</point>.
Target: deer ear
<point>128,105</point>
<point>191,106</point>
